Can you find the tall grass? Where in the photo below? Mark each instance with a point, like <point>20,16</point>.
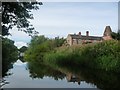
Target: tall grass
<point>104,55</point>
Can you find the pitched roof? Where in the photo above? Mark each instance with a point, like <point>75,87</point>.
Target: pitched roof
<point>83,37</point>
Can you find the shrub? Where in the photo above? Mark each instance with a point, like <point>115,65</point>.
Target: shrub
<point>104,55</point>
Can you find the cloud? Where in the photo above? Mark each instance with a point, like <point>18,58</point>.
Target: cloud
<point>61,18</point>
<point>70,17</point>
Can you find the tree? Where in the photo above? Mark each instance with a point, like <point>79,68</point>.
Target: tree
<point>37,40</point>
<point>116,35</point>
<point>23,49</point>
<point>40,45</point>
<point>17,14</point>
<point>9,55</point>
<point>59,41</point>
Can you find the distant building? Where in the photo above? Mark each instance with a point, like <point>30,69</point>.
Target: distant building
<point>73,39</point>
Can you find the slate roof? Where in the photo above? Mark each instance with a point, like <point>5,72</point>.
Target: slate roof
<point>83,37</point>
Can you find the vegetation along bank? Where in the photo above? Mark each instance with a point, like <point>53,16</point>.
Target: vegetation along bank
<point>103,55</point>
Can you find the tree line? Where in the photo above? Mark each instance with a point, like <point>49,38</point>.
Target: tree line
<point>40,45</point>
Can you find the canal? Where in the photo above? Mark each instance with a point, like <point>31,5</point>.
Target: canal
<point>35,75</point>
<point>20,77</point>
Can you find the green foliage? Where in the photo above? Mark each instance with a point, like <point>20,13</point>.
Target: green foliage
<point>9,54</point>
<point>35,48</point>
<point>41,45</point>
<point>81,61</point>
<point>9,50</point>
<point>103,55</point>
<point>59,41</point>
<point>37,40</point>
<point>17,14</point>
<point>116,35</point>
<point>23,49</point>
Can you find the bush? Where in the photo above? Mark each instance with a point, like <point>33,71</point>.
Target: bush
<point>104,55</point>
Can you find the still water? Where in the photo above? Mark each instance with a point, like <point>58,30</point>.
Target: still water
<point>21,76</point>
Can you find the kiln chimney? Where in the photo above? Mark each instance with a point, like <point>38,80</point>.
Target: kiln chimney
<point>87,33</point>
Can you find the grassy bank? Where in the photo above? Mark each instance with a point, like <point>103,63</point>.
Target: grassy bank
<point>103,56</point>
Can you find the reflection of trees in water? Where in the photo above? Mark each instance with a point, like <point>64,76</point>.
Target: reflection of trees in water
<point>38,70</point>
<point>102,79</point>
<point>6,65</point>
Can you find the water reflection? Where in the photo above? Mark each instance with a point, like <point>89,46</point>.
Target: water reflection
<point>40,75</point>
<point>73,78</point>
<point>40,70</point>
<point>98,78</point>
<point>6,65</point>
<point>101,79</point>
<point>3,82</point>
<point>44,77</point>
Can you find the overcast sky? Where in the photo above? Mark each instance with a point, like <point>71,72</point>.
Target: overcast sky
<point>61,18</point>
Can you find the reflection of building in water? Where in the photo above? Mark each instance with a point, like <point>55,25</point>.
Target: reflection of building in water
<point>73,78</point>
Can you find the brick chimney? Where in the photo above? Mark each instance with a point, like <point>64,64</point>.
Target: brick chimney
<point>87,33</point>
<point>79,33</point>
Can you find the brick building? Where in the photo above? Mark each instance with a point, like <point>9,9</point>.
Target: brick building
<point>73,39</point>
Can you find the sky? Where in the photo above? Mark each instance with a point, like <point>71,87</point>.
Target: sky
<point>63,18</point>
